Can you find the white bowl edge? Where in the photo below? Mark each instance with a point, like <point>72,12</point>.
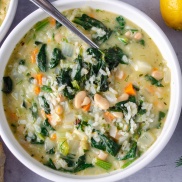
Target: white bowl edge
<point>175,107</point>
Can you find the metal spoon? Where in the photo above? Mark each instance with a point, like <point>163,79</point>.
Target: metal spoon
<point>52,11</point>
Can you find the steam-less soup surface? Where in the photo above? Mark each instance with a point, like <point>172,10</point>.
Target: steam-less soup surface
<point>82,110</point>
<point>3,9</point>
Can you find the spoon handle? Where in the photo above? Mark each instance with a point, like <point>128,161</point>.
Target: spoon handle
<point>52,11</point>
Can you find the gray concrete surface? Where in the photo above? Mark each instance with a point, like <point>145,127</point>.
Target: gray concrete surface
<point>162,169</point>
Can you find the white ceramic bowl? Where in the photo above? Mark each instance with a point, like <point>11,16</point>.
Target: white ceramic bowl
<point>8,19</point>
<point>165,48</point>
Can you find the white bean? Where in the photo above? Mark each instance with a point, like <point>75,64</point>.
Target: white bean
<point>79,98</point>
<point>101,102</point>
<point>86,101</point>
<point>138,36</point>
<point>118,114</point>
<point>157,75</point>
<point>128,34</point>
<point>123,97</point>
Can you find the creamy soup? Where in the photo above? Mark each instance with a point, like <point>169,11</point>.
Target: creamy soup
<point>3,9</point>
<point>82,110</point>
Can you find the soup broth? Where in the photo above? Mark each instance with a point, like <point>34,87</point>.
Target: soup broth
<point>82,110</point>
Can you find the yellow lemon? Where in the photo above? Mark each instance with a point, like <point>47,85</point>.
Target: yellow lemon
<point>171,11</point>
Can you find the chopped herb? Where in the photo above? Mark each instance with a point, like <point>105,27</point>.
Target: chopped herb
<point>104,84</point>
<point>46,88</point>
<point>50,164</point>
<point>22,62</point>
<point>142,42</point>
<point>179,162</point>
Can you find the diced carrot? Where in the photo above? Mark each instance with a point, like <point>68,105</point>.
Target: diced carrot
<point>49,117</point>
<point>52,21</point>
<point>53,136</point>
<point>108,116</point>
<point>130,90</point>
<point>34,54</point>
<point>39,78</point>
<point>87,107</point>
<point>37,90</point>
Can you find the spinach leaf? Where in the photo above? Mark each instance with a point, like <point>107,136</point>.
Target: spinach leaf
<point>47,124</point>
<point>52,151</point>
<point>34,140</point>
<point>56,57</point>
<point>68,94</point>
<point>119,107</point>
<point>132,152</point>
<point>140,110</point>
<point>7,85</point>
<point>81,124</point>
<point>42,58</point>
<point>104,84</point>
<point>113,56</point>
<point>88,22</point>
<point>46,88</point>
<point>77,166</point>
<point>106,144</point>
<point>45,105</point>
<point>44,131</point>
<point>58,25</point>
<point>64,77</point>
<point>79,68</point>
<point>50,164</point>
<point>121,22</point>
<point>153,81</point>
<point>34,110</point>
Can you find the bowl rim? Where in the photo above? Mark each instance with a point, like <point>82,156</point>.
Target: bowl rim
<point>8,18</point>
<point>145,159</point>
